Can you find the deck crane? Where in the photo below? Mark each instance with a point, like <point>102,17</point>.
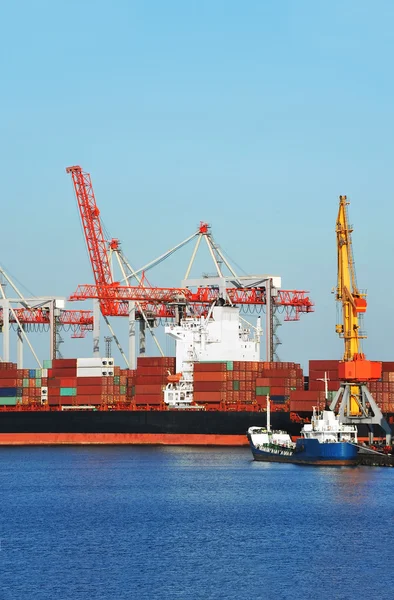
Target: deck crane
<point>164,303</point>
<point>355,400</point>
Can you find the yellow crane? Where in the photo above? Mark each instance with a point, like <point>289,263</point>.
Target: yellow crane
<point>354,371</point>
<point>354,367</point>
<point>353,302</point>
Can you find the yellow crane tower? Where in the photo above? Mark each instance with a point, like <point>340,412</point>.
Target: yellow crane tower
<point>355,371</point>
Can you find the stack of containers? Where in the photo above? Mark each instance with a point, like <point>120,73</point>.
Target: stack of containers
<point>244,385</point>
<point>383,389</point>
<point>149,380</point>
<point>304,401</point>
<point>92,381</point>
<point>212,383</point>
<point>62,381</point>
<point>279,381</point>
<point>10,392</point>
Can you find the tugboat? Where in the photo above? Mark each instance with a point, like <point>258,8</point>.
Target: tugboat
<point>324,441</point>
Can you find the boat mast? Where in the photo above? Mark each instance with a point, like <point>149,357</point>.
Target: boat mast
<point>268,413</point>
<point>326,380</point>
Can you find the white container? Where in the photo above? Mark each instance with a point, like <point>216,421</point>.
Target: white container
<point>44,373</point>
<point>89,362</point>
<point>44,391</point>
<point>107,372</point>
<point>89,371</point>
<point>107,362</point>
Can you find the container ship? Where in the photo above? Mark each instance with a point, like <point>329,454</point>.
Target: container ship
<point>210,393</point>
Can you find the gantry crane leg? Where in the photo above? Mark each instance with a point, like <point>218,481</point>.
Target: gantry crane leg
<point>369,412</point>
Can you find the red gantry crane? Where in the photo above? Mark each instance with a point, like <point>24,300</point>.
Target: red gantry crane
<point>167,303</point>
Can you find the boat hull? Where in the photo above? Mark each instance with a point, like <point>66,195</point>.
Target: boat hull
<point>26,427</point>
<point>192,428</point>
<point>311,452</point>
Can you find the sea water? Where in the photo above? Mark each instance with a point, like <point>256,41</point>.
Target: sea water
<point>190,523</point>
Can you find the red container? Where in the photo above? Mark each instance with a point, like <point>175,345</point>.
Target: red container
<point>69,372</point>
<point>148,389</point>
<point>150,399</point>
<point>7,383</point>
<point>278,391</point>
<point>150,379</point>
<point>323,365</point>
<point>207,396</point>
<point>88,390</point>
<point>305,406</point>
<point>9,374</point>
<point>68,382</point>
<point>205,367</point>
<point>210,376</point>
<point>331,374</point>
<point>86,381</point>
<point>90,399</point>
<point>387,367</point>
<point>210,386</point>
<point>53,400</point>
<point>263,381</point>
<point>157,361</point>
<point>155,371</point>
<point>64,363</point>
<point>332,386</point>
<point>304,395</point>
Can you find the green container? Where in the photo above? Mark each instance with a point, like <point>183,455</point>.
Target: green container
<point>38,382</point>
<point>236,386</point>
<point>116,379</point>
<point>230,365</point>
<point>25,383</point>
<point>133,390</point>
<point>123,389</point>
<point>67,391</point>
<point>38,373</point>
<point>262,390</point>
<point>8,401</point>
<point>47,364</point>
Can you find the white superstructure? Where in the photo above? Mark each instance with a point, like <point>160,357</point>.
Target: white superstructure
<point>327,427</point>
<point>218,337</point>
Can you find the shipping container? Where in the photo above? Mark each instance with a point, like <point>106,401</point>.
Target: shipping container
<point>208,396</point>
<point>148,399</point>
<point>88,371</point>
<point>148,389</point>
<point>210,386</point>
<point>205,367</point>
<point>88,390</point>
<point>210,376</point>
<point>64,363</point>
<point>68,391</point>
<point>8,401</point>
<point>7,392</point>
<point>262,390</point>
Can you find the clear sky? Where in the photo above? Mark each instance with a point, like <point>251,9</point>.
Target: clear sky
<point>254,116</point>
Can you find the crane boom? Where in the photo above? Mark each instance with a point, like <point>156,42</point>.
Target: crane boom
<point>354,366</point>
<point>353,302</point>
<point>94,236</point>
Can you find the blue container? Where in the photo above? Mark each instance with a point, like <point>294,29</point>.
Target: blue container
<point>8,392</point>
<point>32,373</point>
<point>278,399</point>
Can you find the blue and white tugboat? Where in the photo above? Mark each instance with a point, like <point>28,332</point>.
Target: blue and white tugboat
<point>324,441</point>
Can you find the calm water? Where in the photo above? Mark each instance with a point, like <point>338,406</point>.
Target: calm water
<point>181,523</point>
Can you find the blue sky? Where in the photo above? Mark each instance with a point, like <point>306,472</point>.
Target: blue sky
<point>253,116</point>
